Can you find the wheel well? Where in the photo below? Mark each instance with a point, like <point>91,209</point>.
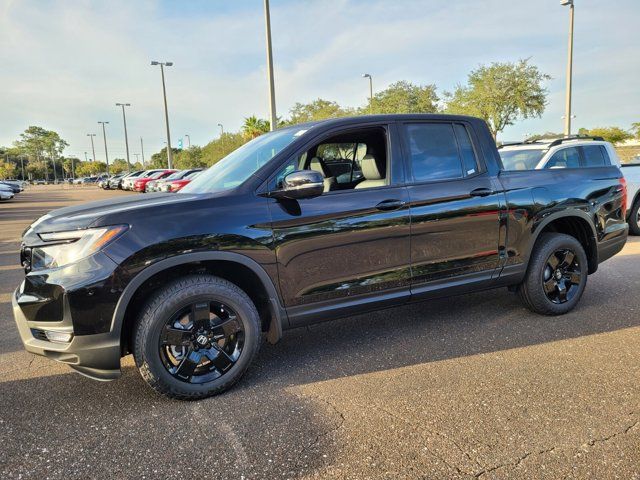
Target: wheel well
<point>236,273</point>
<point>580,230</point>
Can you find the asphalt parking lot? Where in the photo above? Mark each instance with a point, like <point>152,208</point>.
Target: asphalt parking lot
<point>474,386</point>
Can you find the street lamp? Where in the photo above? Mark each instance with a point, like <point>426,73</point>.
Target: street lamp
<point>272,94</point>
<point>126,139</point>
<point>93,148</point>
<point>366,75</point>
<point>142,150</point>
<point>188,140</point>
<point>104,136</point>
<point>222,135</point>
<point>166,110</point>
<point>567,120</point>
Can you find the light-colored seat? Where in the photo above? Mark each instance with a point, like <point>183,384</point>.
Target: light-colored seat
<point>371,173</point>
<point>318,165</point>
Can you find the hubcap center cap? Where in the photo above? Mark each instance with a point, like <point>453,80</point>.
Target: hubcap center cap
<point>202,340</point>
<point>558,274</point>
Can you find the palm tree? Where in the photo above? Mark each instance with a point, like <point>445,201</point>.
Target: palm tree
<point>254,127</point>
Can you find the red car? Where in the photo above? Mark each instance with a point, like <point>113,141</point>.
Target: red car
<point>140,185</point>
<point>176,185</point>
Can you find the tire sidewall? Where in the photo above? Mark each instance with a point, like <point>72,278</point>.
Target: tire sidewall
<point>634,224</point>
<point>556,243</point>
<point>160,316</point>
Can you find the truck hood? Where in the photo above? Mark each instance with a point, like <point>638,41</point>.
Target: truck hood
<point>92,214</point>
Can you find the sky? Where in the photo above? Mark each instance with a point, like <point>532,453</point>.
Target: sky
<point>65,63</point>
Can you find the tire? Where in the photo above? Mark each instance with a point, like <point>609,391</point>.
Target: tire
<point>634,217</point>
<point>165,367</point>
<point>537,291</point>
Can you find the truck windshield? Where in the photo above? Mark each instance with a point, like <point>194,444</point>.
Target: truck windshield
<point>240,164</point>
<point>521,159</point>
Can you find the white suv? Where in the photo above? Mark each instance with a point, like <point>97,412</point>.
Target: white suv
<point>575,152</point>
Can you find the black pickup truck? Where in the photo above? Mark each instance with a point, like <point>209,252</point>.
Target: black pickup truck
<point>305,224</point>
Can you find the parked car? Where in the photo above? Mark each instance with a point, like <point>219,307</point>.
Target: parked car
<point>15,188</point>
<point>18,183</point>
<point>177,185</point>
<point>268,239</point>
<point>159,185</point>
<point>140,184</point>
<point>6,192</point>
<point>127,183</point>
<point>576,151</point>
<point>111,182</point>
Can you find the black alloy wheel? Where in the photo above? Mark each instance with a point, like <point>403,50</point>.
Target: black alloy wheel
<point>556,275</point>
<point>201,342</point>
<point>196,336</point>
<point>562,276</point>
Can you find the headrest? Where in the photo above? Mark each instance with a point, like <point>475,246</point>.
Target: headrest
<point>370,168</point>
<point>316,165</point>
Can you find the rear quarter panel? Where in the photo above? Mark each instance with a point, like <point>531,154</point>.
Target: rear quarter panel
<point>536,197</point>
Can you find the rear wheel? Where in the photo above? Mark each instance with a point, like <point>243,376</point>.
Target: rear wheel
<point>557,275</point>
<point>196,337</point>
<point>634,217</point>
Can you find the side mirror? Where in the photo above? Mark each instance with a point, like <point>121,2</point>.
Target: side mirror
<point>300,184</point>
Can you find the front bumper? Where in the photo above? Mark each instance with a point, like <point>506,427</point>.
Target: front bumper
<point>96,356</point>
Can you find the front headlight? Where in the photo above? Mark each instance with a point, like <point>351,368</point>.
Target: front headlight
<point>69,247</point>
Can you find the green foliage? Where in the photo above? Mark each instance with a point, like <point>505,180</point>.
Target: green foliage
<point>254,127</point>
<point>221,147</point>
<point>610,134</point>
<point>38,168</point>
<point>7,170</point>
<point>500,94</point>
<point>88,169</point>
<point>635,128</point>
<point>159,160</point>
<point>403,97</point>
<point>319,109</point>
<point>189,158</point>
<point>117,166</point>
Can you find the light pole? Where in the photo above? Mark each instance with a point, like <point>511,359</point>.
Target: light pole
<point>166,110</point>
<point>142,150</point>
<point>222,135</point>
<point>137,157</point>
<point>366,75</point>
<point>104,135</point>
<point>188,140</point>
<point>22,163</point>
<point>126,138</point>
<point>93,148</point>
<point>272,93</point>
<point>567,119</point>
<point>85,157</point>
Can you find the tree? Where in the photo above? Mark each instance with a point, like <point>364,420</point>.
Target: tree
<point>610,134</point>
<point>118,165</point>
<point>635,128</point>
<point>254,127</point>
<point>501,93</point>
<point>7,170</point>
<point>319,109</point>
<point>546,135</point>
<point>159,160</point>
<point>38,168</point>
<point>403,97</point>
<point>190,158</point>
<point>87,169</point>
<point>219,148</point>
<point>37,142</point>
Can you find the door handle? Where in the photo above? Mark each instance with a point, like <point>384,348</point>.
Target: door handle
<point>390,205</point>
<point>481,192</point>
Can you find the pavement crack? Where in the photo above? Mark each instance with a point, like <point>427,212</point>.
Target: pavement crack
<point>516,463</point>
<point>321,435</point>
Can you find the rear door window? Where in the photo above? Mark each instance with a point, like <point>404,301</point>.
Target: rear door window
<point>433,151</point>
<point>594,156</point>
<point>565,158</point>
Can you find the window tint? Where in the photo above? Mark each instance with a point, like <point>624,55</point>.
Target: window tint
<point>594,156</point>
<point>433,151</point>
<point>565,158</point>
<point>466,150</point>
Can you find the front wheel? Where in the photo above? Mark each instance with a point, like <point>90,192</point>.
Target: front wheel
<point>196,337</point>
<point>557,275</point>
